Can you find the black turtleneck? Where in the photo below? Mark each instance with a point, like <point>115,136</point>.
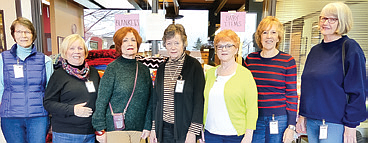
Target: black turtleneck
<point>78,67</point>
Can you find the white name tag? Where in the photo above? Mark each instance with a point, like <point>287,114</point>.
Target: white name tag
<point>323,131</point>
<point>179,86</point>
<point>18,71</point>
<point>90,86</point>
<point>274,127</point>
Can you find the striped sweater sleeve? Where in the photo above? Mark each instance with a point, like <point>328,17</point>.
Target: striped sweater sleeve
<point>291,91</point>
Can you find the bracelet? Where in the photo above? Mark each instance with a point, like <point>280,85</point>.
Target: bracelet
<point>100,133</point>
<point>292,127</point>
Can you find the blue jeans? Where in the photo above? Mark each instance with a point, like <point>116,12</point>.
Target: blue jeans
<point>72,138</point>
<point>262,132</point>
<point>213,138</point>
<point>25,130</point>
<point>335,132</point>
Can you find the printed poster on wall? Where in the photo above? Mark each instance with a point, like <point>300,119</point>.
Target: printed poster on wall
<point>127,20</point>
<point>233,20</point>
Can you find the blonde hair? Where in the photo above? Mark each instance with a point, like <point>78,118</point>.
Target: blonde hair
<point>343,13</point>
<point>266,24</point>
<point>69,40</point>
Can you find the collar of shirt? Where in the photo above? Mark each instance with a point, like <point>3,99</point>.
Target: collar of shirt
<point>180,59</point>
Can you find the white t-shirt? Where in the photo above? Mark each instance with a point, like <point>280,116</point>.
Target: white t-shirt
<point>218,120</point>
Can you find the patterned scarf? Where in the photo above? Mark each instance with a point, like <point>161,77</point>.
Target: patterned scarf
<point>81,74</point>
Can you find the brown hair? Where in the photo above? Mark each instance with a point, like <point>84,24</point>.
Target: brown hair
<point>26,23</point>
<point>121,33</point>
<point>173,29</point>
<point>267,23</point>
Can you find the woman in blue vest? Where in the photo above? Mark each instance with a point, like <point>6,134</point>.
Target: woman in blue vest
<point>24,75</point>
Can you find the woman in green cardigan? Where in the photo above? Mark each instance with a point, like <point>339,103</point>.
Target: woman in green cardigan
<point>116,88</point>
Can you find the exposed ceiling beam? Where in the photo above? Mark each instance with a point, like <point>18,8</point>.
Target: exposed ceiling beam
<point>135,4</point>
<point>176,6</point>
<point>220,6</point>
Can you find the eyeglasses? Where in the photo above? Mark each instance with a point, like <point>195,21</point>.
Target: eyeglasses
<point>227,46</point>
<point>330,20</point>
<point>174,44</point>
<point>25,32</point>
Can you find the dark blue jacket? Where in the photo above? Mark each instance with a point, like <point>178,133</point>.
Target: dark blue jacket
<point>324,87</point>
<point>23,97</point>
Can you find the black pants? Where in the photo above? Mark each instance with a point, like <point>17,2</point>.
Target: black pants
<point>168,134</point>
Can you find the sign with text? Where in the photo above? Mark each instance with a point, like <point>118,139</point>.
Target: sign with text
<point>127,20</point>
<point>233,20</point>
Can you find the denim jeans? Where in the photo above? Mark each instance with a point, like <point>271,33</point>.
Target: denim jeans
<point>213,138</point>
<point>72,138</point>
<point>25,130</point>
<point>262,132</point>
<point>335,132</point>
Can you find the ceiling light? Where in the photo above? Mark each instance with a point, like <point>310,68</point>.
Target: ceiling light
<point>115,4</point>
<point>45,2</point>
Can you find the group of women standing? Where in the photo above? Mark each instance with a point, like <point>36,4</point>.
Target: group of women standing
<point>256,102</point>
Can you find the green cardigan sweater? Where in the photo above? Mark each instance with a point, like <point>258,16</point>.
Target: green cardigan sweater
<point>240,97</point>
<point>116,86</point>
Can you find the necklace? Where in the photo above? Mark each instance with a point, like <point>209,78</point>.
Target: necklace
<point>173,76</point>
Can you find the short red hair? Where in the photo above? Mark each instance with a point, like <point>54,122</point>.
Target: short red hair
<point>121,33</point>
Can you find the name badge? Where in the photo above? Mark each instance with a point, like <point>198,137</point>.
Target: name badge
<point>90,86</point>
<point>274,127</point>
<point>323,131</point>
<point>18,71</point>
<point>179,86</point>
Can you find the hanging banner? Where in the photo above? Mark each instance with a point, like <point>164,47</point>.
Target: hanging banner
<point>233,20</point>
<point>127,20</point>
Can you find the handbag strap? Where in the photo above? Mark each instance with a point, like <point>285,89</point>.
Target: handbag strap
<point>135,83</point>
<point>343,65</point>
<point>343,56</point>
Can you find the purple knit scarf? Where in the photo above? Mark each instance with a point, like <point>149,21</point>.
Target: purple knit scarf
<point>81,74</point>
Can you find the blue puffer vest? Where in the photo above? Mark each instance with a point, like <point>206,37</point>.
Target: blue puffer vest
<point>23,97</point>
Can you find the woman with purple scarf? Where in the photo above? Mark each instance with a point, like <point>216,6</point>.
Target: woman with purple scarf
<point>71,94</point>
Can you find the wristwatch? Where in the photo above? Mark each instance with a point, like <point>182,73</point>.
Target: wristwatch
<point>100,133</point>
<point>292,127</point>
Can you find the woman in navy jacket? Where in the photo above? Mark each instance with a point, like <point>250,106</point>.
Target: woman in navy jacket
<point>330,96</point>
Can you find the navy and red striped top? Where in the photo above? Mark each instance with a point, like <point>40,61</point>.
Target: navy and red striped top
<point>276,83</point>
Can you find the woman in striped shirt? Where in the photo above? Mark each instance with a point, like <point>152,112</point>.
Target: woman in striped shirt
<point>178,92</point>
<point>275,75</point>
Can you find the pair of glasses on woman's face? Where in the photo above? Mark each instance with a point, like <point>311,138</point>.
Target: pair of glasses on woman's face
<point>25,32</point>
<point>323,19</point>
<point>227,46</point>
